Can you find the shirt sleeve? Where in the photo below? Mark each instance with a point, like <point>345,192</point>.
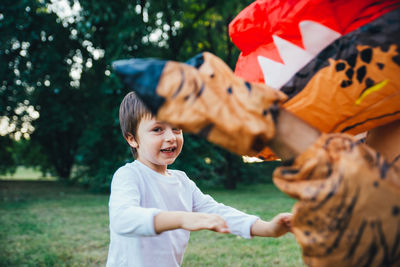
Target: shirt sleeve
<point>239,223</point>
<point>127,218</point>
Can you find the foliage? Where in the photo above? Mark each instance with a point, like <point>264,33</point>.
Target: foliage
<point>201,161</point>
<point>61,67</point>
<point>7,161</point>
<point>211,166</point>
<point>30,155</point>
<point>38,49</point>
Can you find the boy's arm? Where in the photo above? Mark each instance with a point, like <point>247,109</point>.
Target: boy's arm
<point>191,221</point>
<point>127,218</point>
<point>239,223</point>
<point>278,226</point>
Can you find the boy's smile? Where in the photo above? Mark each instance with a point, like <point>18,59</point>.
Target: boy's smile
<point>168,150</point>
<point>157,143</point>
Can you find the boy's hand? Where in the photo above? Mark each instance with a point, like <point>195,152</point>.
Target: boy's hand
<point>193,221</point>
<point>279,225</point>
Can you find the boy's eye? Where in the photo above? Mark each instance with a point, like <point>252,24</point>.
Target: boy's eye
<point>178,130</point>
<point>157,129</point>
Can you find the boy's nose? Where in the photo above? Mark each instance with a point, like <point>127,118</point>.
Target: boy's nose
<point>169,135</point>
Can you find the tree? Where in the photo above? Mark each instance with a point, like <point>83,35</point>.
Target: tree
<point>61,67</point>
<point>175,30</point>
<point>7,161</point>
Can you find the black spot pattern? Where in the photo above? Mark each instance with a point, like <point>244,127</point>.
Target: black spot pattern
<point>350,73</point>
<point>383,168</point>
<point>396,59</point>
<point>369,82</point>
<point>395,210</point>
<point>248,85</point>
<point>361,71</point>
<point>290,171</point>
<point>346,83</point>
<point>381,33</point>
<point>352,60</point>
<point>366,55</point>
<point>201,90</point>
<point>340,66</point>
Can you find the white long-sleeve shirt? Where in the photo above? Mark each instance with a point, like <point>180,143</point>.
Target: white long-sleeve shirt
<point>138,193</point>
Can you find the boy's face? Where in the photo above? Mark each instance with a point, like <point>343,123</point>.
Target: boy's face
<point>157,143</point>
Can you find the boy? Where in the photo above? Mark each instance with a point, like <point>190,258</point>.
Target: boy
<point>153,209</point>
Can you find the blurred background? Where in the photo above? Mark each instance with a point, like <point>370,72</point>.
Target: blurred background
<point>60,140</point>
<point>59,97</point>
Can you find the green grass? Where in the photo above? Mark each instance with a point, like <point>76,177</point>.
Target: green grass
<point>26,173</point>
<point>49,224</point>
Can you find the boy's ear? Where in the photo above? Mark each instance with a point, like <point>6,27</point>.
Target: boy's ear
<point>131,141</point>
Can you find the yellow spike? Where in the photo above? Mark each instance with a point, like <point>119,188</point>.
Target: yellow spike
<point>370,90</point>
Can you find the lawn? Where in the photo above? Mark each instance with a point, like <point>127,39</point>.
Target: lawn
<point>24,173</point>
<point>48,224</point>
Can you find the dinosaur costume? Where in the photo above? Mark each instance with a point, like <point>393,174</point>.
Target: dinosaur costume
<point>337,61</point>
<point>190,96</point>
<point>348,213</point>
<point>348,210</point>
<point>336,221</point>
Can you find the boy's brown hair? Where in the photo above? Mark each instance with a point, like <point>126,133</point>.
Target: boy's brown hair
<point>131,112</point>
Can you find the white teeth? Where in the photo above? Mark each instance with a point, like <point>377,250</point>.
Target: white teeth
<point>168,149</point>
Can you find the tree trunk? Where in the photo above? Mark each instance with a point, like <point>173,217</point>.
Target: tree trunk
<point>231,176</point>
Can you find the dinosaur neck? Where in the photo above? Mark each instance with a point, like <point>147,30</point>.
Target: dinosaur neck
<point>293,135</point>
<point>385,139</point>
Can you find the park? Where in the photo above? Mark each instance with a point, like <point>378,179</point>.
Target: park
<point>284,107</point>
<point>45,223</point>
